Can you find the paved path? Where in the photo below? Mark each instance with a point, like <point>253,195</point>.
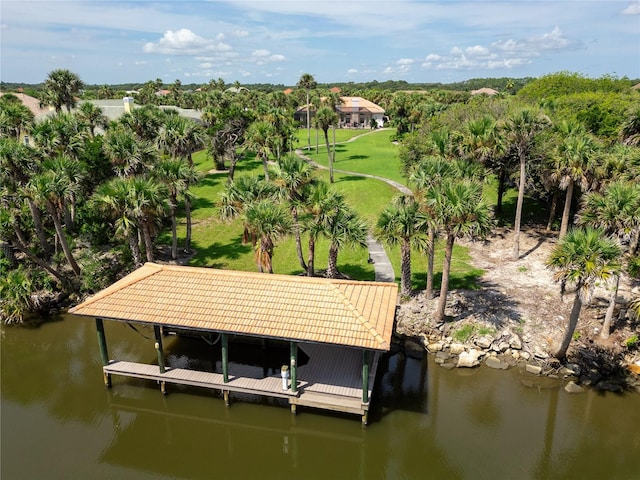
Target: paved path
<point>377,254</point>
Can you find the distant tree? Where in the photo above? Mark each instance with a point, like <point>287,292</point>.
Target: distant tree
<point>92,116</point>
<point>60,89</point>
<point>325,118</point>
<point>307,83</point>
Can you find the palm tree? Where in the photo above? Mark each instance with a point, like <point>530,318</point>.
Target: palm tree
<point>129,154</point>
<point>177,176</point>
<point>147,199</point>
<point>426,178</point>
<point>266,221</point>
<point>292,175</point>
<point>325,118</point>
<point>307,82</point>
<point>460,211</point>
<point>92,116</point>
<point>573,164</point>
<point>320,202</point>
<point>343,227</point>
<point>60,89</point>
<point>61,133</point>
<point>259,139</point>
<point>401,223</point>
<point>615,211</point>
<point>114,199</point>
<point>521,130</point>
<point>51,190</point>
<point>15,118</point>
<point>583,257</point>
<point>630,130</point>
<point>144,121</point>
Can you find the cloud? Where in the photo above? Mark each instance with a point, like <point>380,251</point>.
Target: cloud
<point>405,61</point>
<point>632,9</point>
<point>352,71</point>
<point>184,42</point>
<point>263,56</point>
<point>503,54</point>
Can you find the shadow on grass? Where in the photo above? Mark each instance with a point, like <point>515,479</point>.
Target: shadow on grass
<point>533,212</point>
<point>350,178</point>
<point>354,272</point>
<point>199,202</point>
<point>207,256</point>
<point>467,281</point>
<point>357,157</point>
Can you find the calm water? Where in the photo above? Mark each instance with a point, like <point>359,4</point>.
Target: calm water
<point>59,421</point>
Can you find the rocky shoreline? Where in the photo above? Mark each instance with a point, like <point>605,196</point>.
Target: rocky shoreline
<point>506,349</point>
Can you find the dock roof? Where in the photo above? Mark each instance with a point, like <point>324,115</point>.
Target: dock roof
<point>341,312</point>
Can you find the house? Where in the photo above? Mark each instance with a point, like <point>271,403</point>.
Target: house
<point>484,91</point>
<point>354,112</point>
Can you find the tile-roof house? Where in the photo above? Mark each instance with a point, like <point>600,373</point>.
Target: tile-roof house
<point>354,112</point>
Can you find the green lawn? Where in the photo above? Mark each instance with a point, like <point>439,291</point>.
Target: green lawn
<point>218,244</point>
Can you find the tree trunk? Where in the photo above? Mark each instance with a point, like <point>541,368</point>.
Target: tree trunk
<point>332,266</point>
<point>308,123</point>
<point>296,232</point>
<point>431,244</point>
<point>37,224</point>
<point>187,214</point>
<point>134,246</point>
<point>148,243</point>
<point>326,138</point>
<point>18,242</point>
<point>561,354</point>
<point>174,230</point>
<point>405,269</point>
<point>317,139</point>
<point>564,226</point>
<point>606,325</point>
<point>265,166</point>
<point>502,178</point>
<point>552,209</point>
<point>444,286</point>
<point>518,219</point>
<point>311,257</point>
<point>63,242</point>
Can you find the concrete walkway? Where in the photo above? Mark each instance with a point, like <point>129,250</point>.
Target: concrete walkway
<point>377,254</point>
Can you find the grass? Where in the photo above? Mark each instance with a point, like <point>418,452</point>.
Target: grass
<point>218,244</point>
<point>464,333</point>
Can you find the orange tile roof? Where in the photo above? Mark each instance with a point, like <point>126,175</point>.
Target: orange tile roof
<point>343,312</point>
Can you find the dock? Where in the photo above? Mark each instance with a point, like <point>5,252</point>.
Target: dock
<point>331,380</point>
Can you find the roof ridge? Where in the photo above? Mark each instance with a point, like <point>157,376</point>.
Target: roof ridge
<point>363,321</point>
<point>148,269</point>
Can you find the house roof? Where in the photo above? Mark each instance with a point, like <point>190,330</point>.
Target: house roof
<point>354,104</point>
<point>484,91</point>
<point>342,312</point>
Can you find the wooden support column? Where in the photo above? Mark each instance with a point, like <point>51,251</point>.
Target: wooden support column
<point>225,357</point>
<point>365,376</point>
<point>293,348</point>
<point>159,348</point>
<point>104,353</point>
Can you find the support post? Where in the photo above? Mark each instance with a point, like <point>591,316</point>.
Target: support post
<point>104,353</point>
<point>365,376</point>
<point>225,357</point>
<point>225,394</point>
<point>293,348</point>
<point>159,348</point>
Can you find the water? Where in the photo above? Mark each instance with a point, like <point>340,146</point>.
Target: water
<point>59,421</point>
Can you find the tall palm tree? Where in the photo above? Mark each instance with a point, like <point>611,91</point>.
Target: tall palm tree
<point>267,221</point>
<point>177,176</point>
<point>144,121</point>
<point>307,83</point>
<point>401,223</point>
<point>321,201</point>
<point>460,211</point>
<point>60,89</point>
<point>148,198</point>
<point>583,257</point>
<point>630,129</point>
<point>292,175</point>
<point>325,118</point>
<point>521,129</point>
<point>573,163</point>
<point>259,139</point>
<point>615,211</point>
<point>51,190</point>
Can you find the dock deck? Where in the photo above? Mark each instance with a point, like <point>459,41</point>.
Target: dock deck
<point>331,380</point>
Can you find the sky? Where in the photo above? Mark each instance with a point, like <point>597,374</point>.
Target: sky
<point>276,41</point>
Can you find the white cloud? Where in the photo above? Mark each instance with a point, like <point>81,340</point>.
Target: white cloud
<point>184,42</point>
<point>432,57</point>
<point>262,53</point>
<point>476,50</point>
<point>405,61</point>
<point>352,71</point>
<point>277,58</point>
<point>456,51</point>
<point>632,9</point>
<point>263,56</point>
<point>241,33</point>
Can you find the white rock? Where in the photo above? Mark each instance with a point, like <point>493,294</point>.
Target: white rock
<point>469,359</point>
<point>515,342</point>
<point>456,348</point>
<point>483,342</point>
<point>536,370</point>
<point>573,387</point>
<point>434,347</point>
<point>525,355</point>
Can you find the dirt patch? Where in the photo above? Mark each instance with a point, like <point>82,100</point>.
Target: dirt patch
<point>522,296</point>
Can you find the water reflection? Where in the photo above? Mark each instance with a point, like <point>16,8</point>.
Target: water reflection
<point>425,421</point>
